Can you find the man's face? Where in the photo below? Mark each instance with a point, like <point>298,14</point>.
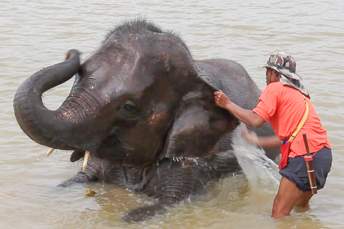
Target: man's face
<point>271,76</point>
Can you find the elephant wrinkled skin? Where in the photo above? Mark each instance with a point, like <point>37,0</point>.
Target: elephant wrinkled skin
<point>144,109</point>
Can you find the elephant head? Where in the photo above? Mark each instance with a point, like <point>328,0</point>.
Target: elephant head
<point>123,100</point>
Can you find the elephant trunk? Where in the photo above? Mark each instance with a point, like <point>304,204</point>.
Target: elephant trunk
<point>39,123</point>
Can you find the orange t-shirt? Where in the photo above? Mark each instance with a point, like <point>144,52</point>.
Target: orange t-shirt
<point>283,107</point>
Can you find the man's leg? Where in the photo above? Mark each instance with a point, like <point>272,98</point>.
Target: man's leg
<point>303,203</point>
<point>287,197</point>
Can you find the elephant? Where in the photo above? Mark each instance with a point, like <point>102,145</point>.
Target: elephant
<point>144,110</point>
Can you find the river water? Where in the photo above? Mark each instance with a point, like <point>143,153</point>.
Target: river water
<point>37,33</point>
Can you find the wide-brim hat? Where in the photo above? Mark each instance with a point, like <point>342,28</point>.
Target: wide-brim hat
<point>284,64</point>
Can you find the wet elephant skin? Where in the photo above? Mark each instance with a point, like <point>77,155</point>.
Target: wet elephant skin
<point>143,108</point>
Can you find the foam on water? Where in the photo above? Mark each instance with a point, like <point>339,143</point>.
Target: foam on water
<point>261,172</point>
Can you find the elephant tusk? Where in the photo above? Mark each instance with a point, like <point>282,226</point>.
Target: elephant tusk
<point>86,157</point>
<point>50,151</point>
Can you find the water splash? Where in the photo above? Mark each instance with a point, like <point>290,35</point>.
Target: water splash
<point>261,172</point>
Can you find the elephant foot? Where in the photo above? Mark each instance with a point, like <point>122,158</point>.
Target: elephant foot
<point>80,177</point>
<point>144,213</point>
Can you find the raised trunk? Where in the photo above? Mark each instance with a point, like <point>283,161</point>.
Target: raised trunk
<point>39,123</point>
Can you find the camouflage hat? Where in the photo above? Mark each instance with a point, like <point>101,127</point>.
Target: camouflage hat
<point>284,64</point>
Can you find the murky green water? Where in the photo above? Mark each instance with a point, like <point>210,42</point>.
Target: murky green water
<point>35,34</point>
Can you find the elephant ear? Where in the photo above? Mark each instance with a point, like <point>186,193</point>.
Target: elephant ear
<point>233,80</point>
<point>198,126</point>
<point>206,79</point>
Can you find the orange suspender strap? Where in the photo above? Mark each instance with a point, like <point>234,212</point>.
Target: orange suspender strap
<point>301,123</point>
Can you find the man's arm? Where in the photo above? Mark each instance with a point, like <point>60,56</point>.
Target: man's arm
<point>265,142</point>
<point>248,117</point>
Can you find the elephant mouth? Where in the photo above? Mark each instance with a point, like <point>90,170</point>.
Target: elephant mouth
<point>110,145</point>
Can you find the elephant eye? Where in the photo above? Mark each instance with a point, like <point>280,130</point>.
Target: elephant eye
<point>130,107</point>
<point>129,111</point>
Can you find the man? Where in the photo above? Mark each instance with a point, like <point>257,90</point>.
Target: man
<point>284,103</point>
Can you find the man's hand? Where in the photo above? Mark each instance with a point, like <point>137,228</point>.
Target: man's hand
<point>221,99</point>
<point>246,116</point>
<point>250,136</point>
<point>265,142</point>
